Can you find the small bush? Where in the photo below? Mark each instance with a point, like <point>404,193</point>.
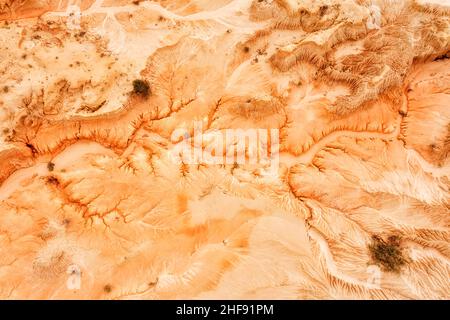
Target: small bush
<point>50,166</point>
<point>141,87</point>
<point>387,253</point>
<point>53,180</point>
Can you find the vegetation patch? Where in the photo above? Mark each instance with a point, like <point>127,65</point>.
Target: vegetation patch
<point>141,87</point>
<point>107,288</point>
<point>50,166</point>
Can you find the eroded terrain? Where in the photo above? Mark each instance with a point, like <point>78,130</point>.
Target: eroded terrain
<point>93,205</point>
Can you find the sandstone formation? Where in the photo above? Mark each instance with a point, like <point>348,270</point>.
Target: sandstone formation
<point>93,205</point>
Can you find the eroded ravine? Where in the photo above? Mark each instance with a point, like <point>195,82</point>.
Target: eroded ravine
<point>93,205</point>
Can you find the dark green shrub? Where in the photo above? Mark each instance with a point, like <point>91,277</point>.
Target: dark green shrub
<point>387,253</point>
<point>141,87</point>
<point>50,166</point>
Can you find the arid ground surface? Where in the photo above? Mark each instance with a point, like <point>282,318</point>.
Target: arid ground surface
<point>93,204</point>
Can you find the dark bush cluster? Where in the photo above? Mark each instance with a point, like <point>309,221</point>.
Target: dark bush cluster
<point>50,166</point>
<point>141,87</point>
<point>387,253</point>
<point>53,180</point>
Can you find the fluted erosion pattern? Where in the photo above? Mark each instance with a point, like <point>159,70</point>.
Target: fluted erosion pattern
<point>93,203</point>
